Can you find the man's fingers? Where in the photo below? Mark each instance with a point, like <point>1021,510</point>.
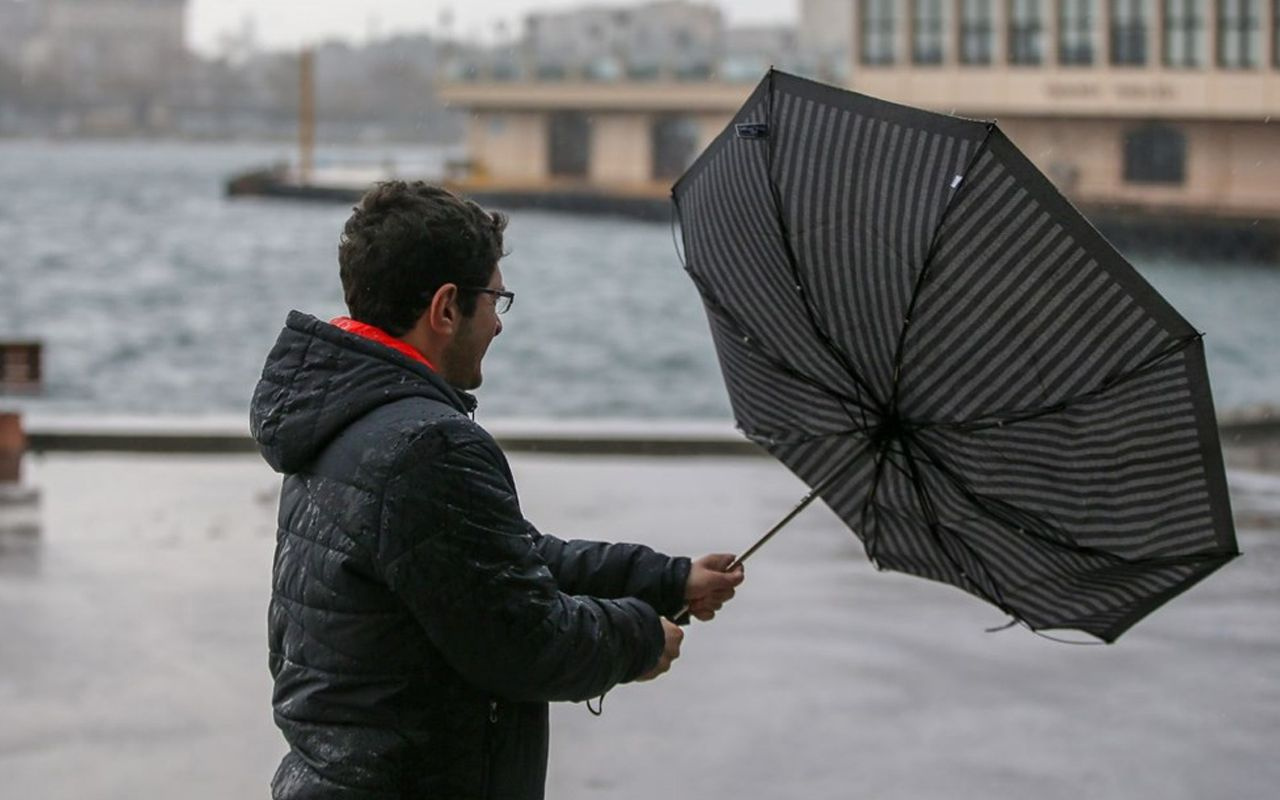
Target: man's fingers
<point>725,580</point>
<point>673,635</point>
<point>718,562</point>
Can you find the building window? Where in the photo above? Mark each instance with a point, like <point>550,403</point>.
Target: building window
<point>1128,32</point>
<point>673,142</point>
<point>927,31</point>
<point>1026,32</point>
<point>1075,31</point>
<point>569,144</point>
<point>1155,153</point>
<point>976,31</point>
<point>876,27</point>
<point>1184,33</point>
<point>1238,33</point>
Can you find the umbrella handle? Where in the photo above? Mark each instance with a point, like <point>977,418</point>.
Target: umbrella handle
<point>682,618</point>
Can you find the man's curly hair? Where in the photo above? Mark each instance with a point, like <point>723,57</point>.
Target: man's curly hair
<point>406,240</point>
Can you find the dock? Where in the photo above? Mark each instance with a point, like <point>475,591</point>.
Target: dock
<point>134,636</point>
<point>1250,438</point>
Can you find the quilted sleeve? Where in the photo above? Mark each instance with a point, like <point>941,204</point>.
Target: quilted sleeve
<point>456,549</point>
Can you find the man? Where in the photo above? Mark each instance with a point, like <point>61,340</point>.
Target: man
<point>418,623</point>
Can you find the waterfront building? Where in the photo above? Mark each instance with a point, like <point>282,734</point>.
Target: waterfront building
<point>1156,112</point>
<point>115,57</point>
<point>1164,111</point>
<point>616,100</point>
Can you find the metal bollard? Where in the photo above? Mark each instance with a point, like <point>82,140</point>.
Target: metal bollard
<point>19,504</point>
<point>13,443</point>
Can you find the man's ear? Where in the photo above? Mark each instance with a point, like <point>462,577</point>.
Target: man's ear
<point>443,314</point>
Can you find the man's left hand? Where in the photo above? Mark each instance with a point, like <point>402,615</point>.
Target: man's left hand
<point>710,585</point>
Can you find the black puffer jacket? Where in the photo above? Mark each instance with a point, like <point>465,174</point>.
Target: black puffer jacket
<point>418,623</point>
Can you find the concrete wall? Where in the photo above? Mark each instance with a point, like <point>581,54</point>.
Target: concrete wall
<point>508,145</point>
<point>1231,168</point>
<point>617,96</point>
<point>1086,91</point>
<point>621,148</point>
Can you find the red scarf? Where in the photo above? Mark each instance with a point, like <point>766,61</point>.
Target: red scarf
<point>380,336</point>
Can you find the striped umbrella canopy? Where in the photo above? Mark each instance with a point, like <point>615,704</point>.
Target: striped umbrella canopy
<point>910,316</point>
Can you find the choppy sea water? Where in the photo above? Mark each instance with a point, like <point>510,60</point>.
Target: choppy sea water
<point>155,294</point>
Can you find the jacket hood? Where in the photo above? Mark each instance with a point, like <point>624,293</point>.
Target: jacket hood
<point>318,379</point>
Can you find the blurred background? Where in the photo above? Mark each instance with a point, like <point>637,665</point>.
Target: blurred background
<point>174,176</point>
<point>154,153</point>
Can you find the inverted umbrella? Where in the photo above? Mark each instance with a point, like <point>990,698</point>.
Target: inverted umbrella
<point>910,316</point>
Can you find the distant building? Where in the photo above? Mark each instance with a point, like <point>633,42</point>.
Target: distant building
<point>116,55</point>
<point>825,35</point>
<point>1161,110</point>
<point>615,97</point>
<point>749,51</point>
<point>1161,113</point>
<point>19,20</point>
<point>640,42</point>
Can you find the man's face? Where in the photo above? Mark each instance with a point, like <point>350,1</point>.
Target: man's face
<point>474,335</point>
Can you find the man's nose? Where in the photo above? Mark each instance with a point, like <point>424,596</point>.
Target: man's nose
<point>499,330</point>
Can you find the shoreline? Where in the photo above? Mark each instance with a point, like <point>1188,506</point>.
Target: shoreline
<point>1250,438</point>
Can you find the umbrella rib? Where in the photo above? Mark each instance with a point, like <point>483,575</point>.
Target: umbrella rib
<point>980,501</point>
<point>998,419</point>
<point>809,498</point>
<point>794,263</point>
<point>987,506</point>
<point>924,272</point>
<point>755,344</point>
<point>936,528</point>
<point>871,541</point>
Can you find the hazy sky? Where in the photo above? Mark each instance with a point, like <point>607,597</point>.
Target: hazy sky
<point>289,23</point>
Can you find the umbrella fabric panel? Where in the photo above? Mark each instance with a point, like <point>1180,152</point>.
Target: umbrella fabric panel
<point>1024,307</point>
<point>861,197</point>
<point>841,469</point>
<point>771,402</point>
<point>1127,472</point>
<point>1029,574</point>
<point>737,253</point>
<point>787,259</point>
<point>895,527</point>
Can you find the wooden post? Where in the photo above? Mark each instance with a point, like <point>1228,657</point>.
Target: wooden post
<point>13,443</point>
<point>306,115</point>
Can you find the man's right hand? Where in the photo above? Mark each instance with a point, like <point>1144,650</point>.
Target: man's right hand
<point>670,650</point>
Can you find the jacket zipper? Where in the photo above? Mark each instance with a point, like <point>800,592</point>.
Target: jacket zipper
<point>487,760</point>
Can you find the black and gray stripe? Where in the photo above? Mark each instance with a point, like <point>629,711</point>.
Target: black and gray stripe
<point>900,299</point>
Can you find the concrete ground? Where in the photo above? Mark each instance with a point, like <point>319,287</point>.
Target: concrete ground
<point>132,659</point>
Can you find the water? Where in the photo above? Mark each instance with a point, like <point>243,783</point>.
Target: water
<point>154,294</point>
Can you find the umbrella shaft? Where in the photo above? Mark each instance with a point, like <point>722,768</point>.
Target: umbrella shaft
<point>682,616</point>
<point>809,498</point>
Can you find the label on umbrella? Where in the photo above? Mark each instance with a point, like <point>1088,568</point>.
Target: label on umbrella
<point>752,130</point>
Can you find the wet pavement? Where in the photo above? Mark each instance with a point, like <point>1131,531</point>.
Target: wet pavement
<point>132,653</point>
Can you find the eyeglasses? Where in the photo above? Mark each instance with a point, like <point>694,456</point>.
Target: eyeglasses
<point>502,299</point>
